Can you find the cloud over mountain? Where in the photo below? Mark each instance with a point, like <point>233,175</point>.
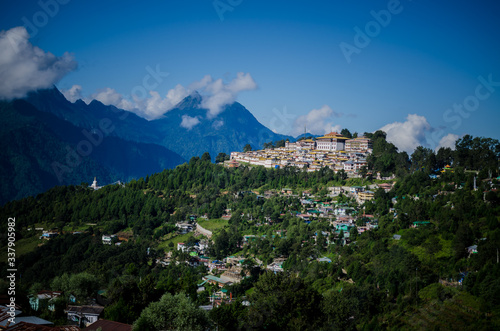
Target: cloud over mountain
<point>317,121</point>
<point>109,96</point>
<point>155,106</point>
<point>189,122</point>
<point>25,68</point>
<point>216,94</point>
<point>408,135</point>
<point>73,94</point>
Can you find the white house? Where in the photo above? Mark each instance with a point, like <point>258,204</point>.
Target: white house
<point>84,315</point>
<point>332,141</point>
<point>184,227</point>
<point>182,247</point>
<point>108,239</point>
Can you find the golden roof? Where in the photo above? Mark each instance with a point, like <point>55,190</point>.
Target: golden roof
<point>333,135</point>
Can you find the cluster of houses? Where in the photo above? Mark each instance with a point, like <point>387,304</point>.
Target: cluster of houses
<point>360,193</point>
<point>341,217</point>
<point>332,150</point>
<point>79,317</point>
<point>221,273</point>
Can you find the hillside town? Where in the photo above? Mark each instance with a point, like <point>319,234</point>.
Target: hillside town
<point>223,240</point>
<point>332,150</point>
<point>341,220</point>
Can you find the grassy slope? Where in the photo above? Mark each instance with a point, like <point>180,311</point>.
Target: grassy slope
<point>213,225</point>
<point>23,246</point>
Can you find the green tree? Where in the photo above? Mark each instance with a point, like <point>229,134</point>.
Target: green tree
<point>172,312</point>
<point>247,148</point>
<point>229,316</point>
<point>280,143</point>
<point>384,158</point>
<point>321,241</point>
<point>120,311</point>
<point>346,133</point>
<point>206,157</point>
<point>444,157</point>
<point>423,159</point>
<point>477,153</point>
<point>224,243</point>
<point>284,302</point>
<point>353,233</point>
<point>82,285</point>
<point>463,239</point>
<point>338,309</point>
<point>221,157</point>
<point>268,145</point>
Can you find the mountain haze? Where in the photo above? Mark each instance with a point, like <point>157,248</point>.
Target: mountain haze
<point>40,150</point>
<point>229,131</point>
<point>50,141</point>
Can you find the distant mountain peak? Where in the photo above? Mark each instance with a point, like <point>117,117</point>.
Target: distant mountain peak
<point>195,94</point>
<point>49,93</point>
<point>95,102</point>
<point>191,101</point>
<point>80,103</point>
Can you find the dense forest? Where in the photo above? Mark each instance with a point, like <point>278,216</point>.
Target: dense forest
<point>414,270</point>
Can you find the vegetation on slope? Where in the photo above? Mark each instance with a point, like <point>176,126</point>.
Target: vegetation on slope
<point>426,279</point>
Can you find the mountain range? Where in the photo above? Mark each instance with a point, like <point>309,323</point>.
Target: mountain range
<point>48,141</point>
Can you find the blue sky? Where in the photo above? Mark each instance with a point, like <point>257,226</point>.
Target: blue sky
<point>406,79</point>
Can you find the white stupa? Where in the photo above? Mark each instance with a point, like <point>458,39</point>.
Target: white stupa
<point>94,184</point>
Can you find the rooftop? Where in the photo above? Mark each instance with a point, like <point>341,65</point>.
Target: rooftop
<point>93,310</point>
<point>106,325</point>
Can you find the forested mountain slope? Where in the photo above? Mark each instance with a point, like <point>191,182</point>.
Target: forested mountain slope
<point>428,258</point>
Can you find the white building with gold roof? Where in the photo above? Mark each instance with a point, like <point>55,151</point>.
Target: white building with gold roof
<point>332,141</point>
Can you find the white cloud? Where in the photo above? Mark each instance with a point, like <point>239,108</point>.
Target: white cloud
<point>217,124</point>
<point>189,122</point>
<point>202,83</point>
<point>73,94</point>
<point>150,108</point>
<point>216,94</point>
<point>408,135</point>
<point>109,96</point>
<point>448,141</point>
<point>25,68</point>
<point>155,106</point>
<point>317,121</point>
